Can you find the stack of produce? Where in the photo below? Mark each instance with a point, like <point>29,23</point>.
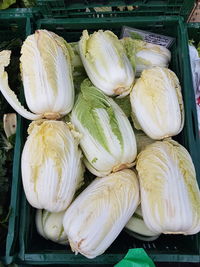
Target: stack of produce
<point>133,165</point>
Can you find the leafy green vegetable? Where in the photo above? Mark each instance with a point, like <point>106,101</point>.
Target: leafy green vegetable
<point>16,3</point>
<point>78,80</point>
<point>124,104</point>
<point>27,3</point>
<point>6,3</point>
<point>135,35</point>
<point>107,139</point>
<point>191,42</point>
<point>91,99</point>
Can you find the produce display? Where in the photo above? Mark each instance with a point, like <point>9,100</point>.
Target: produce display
<point>84,99</point>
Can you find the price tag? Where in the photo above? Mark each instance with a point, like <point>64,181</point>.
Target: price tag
<point>149,37</point>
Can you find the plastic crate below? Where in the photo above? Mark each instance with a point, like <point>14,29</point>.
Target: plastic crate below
<point>171,248</point>
<point>14,27</point>
<point>112,8</point>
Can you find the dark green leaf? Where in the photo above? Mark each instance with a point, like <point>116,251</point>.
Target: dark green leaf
<point>6,3</point>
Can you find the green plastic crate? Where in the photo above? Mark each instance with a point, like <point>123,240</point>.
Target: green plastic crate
<point>85,8</point>
<point>14,27</point>
<point>33,249</point>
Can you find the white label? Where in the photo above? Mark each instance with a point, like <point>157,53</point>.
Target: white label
<point>149,37</point>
